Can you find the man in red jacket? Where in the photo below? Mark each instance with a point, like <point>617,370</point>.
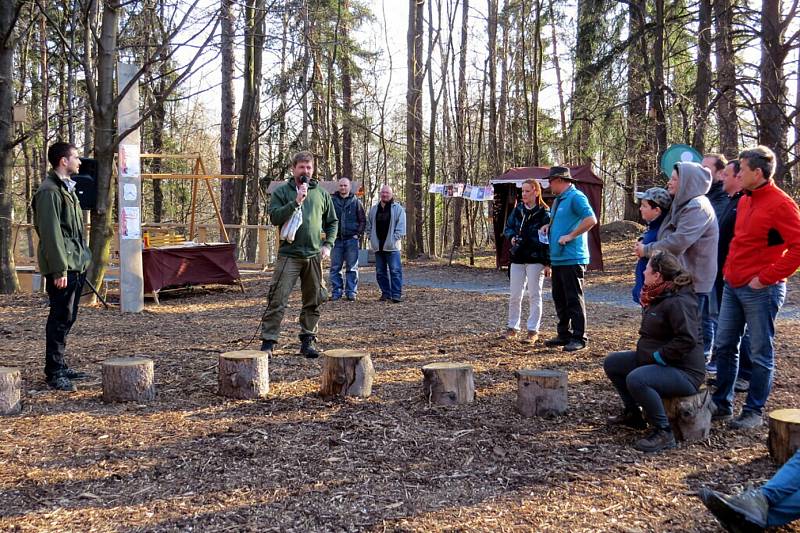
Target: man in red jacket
<point>765,250</point>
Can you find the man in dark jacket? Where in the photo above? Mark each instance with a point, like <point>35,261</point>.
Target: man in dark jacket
<point>301,256</point>
<point>352,221</point>
<point>63,258</point>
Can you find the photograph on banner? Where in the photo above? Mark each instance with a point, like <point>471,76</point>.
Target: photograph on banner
<point>129,160</point>
<point>131,223</point>
<point>129,192</point>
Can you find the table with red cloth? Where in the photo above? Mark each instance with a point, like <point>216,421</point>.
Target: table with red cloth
<point>175,266</point>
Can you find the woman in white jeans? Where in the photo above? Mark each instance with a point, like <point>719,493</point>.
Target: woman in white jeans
<point>530,259</point>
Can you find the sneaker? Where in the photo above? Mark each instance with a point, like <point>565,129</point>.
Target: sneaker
<point>350,297</point>
<point>741,385</point>
<point>660,439</point>
<point>74,374</point>
<point>574,346</point>
<point>62,383</point>
<point>309,347</point>
<point>509,334</point>
<point>631,419</point>
<point>396,300</point>
<point>718,415</point>
<point>746,420</point>
<point>532,337</point>
<point>558,341</point>
<point>267,346</point>
<point>745,512</point>
<point>383,298</point>
<point>336,297</point>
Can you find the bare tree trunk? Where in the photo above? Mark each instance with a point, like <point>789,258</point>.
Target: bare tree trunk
<point>636,113</point>
<point>347,95</point>
<point>8,274</point>
<point>502,113</point>
<point>658,82</point>
<point>703,83</point>
<point>538,59</point>
<point>414,129</point>
<point>494,168</point>
<point>43,59</point>
<point>590,13</point>
<point>773,126</point>
<point>461,124</point>
<point>726,72</point>
<point>226,159</point>
<point>562,108</point>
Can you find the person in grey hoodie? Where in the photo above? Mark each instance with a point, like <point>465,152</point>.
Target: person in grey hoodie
<point>690,229</point>
<point>386,226</point>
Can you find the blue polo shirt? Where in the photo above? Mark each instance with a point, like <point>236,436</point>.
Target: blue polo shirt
<point>569,208</point>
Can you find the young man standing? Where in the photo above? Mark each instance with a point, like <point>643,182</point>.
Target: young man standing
<point>301,257</point>
<point>571,217</point>
<point>63,258</point>
<point>765,250</point>
<point>386,226</point>
<point>352,220</point>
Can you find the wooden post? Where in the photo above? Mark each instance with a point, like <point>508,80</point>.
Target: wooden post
<point>541,392</point>
<point>243,374</point>
<point>346,373</point>
<point>689,416</point>
<point>10,390</point>
<point>784,434</point>
<point>128,379</point>
<point>263,258</point>
<point>448,383</point>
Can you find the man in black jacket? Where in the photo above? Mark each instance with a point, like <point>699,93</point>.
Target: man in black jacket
<point>352,221</point>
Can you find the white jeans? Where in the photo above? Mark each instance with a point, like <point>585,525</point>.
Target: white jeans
<point>531,275</point>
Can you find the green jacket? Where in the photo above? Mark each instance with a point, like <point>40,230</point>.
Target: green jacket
<point>319,217</point>
<point>58,221</point>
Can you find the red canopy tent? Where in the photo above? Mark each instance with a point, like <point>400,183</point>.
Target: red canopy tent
<point>507,188</point>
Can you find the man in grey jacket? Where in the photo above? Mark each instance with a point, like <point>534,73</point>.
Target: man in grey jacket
<point>386,225</point>
<point>690,230</point>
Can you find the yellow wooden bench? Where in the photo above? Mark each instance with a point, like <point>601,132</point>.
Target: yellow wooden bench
<point>164,239</point>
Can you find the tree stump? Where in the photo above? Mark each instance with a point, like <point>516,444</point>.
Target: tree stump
<point>448,383</point>
<point>541,392</point>
<point>10,387</point>
<point>784,434</point>
<point>689,416</point>
<point>346,373</point>
<point>244,374</point>
<point>128,379</point>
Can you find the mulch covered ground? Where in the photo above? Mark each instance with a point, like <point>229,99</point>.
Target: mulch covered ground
<point>192,460</point>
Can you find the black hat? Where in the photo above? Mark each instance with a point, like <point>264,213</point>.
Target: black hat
<point>560,173</point>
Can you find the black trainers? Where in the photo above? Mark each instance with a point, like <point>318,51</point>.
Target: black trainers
<point>574,346</point>
<point>350,297</point>
<point>309,347</point>
<point>383,298</point>
<point>718,415</point>
<point>74,374</point>
<point>397,300</point>
<point>660,439</point>
<point>267,346</point>
<point>741,385</point>
<point>745,512</point>
<point>747,420</point>
<point>631,419</point>
<point>558,341</point>
<point>62,383</point>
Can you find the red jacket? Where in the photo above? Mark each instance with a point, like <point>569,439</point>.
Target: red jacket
<point>766,239</point>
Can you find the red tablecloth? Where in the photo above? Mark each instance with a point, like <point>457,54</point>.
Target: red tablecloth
<point>189,265</point>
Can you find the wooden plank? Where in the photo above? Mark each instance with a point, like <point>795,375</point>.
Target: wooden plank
<point>191,176</point>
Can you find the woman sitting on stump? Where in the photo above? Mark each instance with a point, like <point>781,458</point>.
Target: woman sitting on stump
<point>668,360</point>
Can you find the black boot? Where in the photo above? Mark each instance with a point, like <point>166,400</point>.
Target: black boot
<point>660,439</point>
<point>309,346</point>
<point>267,346</point>
<point>630,418</point>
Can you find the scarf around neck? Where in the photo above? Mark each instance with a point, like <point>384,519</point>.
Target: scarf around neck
<point>651,292</point>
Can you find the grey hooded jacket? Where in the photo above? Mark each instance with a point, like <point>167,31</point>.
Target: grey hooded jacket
<point>690,229</point>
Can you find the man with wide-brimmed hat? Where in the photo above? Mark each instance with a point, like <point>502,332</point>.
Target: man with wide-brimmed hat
<point>571,217</point>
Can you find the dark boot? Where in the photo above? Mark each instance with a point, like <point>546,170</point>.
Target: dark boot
<point>660,439</point>
<point>745,512</point>
<point>61,383</point>
<point>267,346</point>
<point>309,347</point>
<point>632,419</point>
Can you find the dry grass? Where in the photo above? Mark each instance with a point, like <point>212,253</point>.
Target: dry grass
<point>193,460</point>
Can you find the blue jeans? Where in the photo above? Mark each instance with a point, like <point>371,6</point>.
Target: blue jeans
<point>783,493</point>
<point>389,274</point>
<point>756,309</point>
<point>709,317</point>
<point>345,252</point>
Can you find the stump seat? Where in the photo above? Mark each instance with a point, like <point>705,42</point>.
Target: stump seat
<point>346,373</point>
<point>243,374</point>
<point>689,416</point>
<point>541,392</point>
<point>448,383</point>
<point>128,379</point>
<point>784,434</point>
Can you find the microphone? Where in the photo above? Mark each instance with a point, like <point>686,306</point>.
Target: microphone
<point>303,179</point>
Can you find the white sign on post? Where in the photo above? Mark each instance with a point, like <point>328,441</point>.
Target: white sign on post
<point>131,279</point>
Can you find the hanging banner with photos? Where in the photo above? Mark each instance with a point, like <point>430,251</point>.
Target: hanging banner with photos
<point>475,193</point>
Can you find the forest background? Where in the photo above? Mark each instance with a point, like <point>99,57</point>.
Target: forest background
<point>406,93</point>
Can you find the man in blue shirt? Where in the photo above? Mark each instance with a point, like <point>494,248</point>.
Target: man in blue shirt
<point>571,217</point>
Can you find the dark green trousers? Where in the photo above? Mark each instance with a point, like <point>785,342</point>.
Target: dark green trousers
<point>312,288</point>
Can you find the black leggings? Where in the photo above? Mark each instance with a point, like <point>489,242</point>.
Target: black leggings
<point>645,385</point>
